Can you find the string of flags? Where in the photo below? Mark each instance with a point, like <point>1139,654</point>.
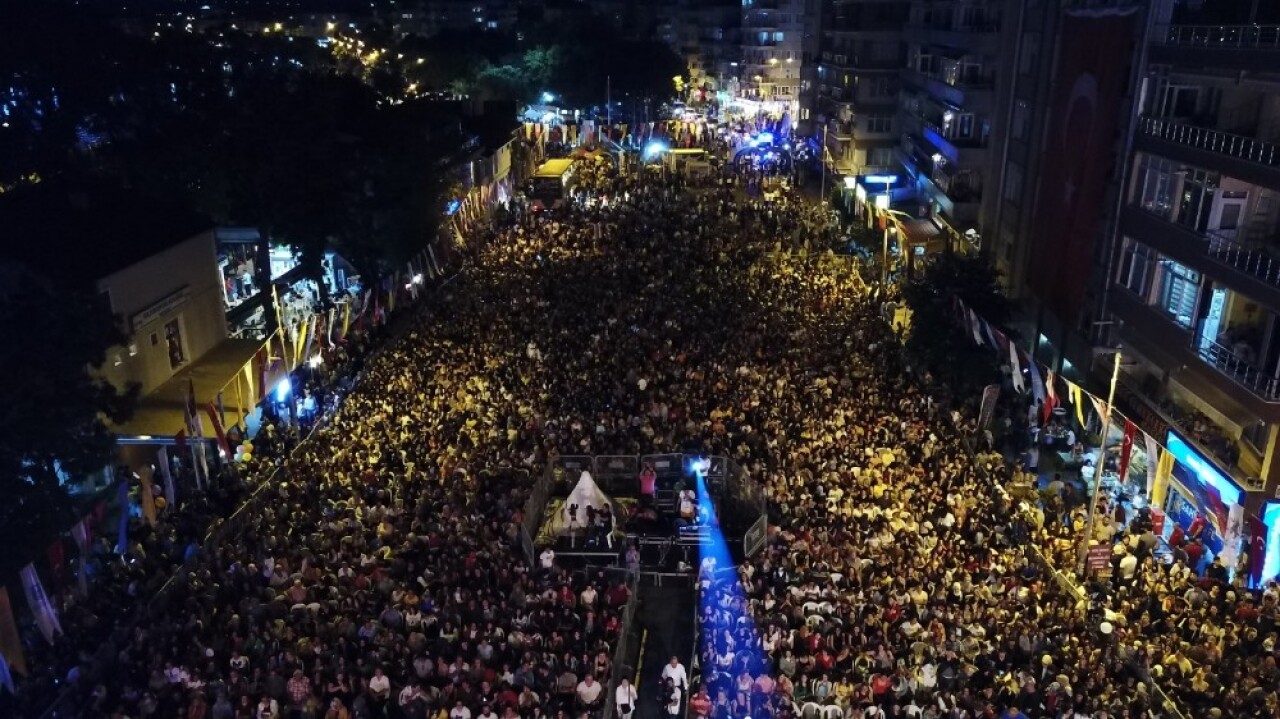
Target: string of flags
<point>1044,388</point>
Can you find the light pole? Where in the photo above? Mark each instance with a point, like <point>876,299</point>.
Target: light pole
<point>822,159</point>
<point>1098,463</point>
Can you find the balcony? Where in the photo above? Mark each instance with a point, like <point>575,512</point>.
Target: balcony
<point>953,93</point>
<point>1250,269</point>
<point>1240,156</point>
<point>945,32</point>
<point>1208,371</point>
<point>1227,47</point>
<point>1239,370</point>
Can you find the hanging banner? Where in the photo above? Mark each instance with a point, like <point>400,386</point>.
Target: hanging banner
<point>170,497</point>
<point>1037,384</point>
<point>10,640</point>
<point>990,394</point>
<point>1087,100</point>
<point>1050,394</point>
<point>145,496</point>
<point>80,533</point>
<point>41,608</point>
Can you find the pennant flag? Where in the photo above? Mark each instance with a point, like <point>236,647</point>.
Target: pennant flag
<point>1016,369</point>
<point>1153,456</point>
<point>346,319</point>
<point>1037,383</point>
<point>975,324</point>
<point>6,678</point>
<point>328,327</point>
<point>991,340</point>
<point>10,640</point>
<point>1077,400</point>
<point>299,340</point>
<point>195,427</point>
<point>1051,394</point>
<point>41,608</point>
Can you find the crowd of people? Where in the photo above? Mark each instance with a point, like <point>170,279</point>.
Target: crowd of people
<point>382,576</point>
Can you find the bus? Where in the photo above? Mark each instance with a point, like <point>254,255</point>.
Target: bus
<point>551,181</point>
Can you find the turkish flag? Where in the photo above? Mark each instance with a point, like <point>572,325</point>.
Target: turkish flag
<point>1078,154</point>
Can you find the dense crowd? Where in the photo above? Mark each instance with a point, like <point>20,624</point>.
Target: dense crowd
<point>382,575</point>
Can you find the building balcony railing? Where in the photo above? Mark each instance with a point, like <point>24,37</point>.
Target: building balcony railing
<point>1254,261</point>
<point>1242,372</point>
<point>1263,37</point>
<point>1216,141</point>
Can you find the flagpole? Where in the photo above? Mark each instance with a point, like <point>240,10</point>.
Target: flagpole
<point>1098,463</point>
<point>823,157</point>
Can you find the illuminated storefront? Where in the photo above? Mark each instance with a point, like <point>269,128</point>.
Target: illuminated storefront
<point>1202,496</point>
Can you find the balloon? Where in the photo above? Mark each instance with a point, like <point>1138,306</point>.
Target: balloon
<point>239,456</point>
<point>242,449</point>
<point>246,456</point>
<point>248,446</point>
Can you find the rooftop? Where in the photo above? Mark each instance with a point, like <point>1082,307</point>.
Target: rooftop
<point>83,233</point>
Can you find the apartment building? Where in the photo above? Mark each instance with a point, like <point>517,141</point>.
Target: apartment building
<point>773,51</point>
<point>1195,271</point>
<point>858,70</point>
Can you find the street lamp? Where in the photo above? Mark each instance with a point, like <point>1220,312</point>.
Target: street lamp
<point>1098,462</point>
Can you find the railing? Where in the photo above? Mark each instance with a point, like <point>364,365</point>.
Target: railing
<point>1256,262</point>
<point>621,667</point>
<point>1201,138</point>
<point>1253,37</point>
<point>1244,373</point>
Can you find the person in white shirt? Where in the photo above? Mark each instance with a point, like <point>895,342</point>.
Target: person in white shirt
<point>589,691</point>
<point>1128,566</point>
<point>548,558</point>
<point>625,697</point>
<point>459,712</point>
<point>674,671</point>
<point>380,685</point>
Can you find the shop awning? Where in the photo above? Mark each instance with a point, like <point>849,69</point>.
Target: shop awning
<point>161,413</point>
<point>921,231</point>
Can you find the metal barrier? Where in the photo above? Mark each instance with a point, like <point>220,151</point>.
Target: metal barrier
<point>534,507</point>
<point>621,667</point>
<point>616,474</point>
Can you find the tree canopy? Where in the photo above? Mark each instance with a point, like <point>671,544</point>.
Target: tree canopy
<point>937,336</point>
<point>51,421</point>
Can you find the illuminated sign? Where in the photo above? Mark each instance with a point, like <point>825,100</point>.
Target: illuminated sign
<point>881,179</point>
<point>1206,473</point>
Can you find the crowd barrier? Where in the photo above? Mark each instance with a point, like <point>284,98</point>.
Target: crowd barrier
<point>621,666</point>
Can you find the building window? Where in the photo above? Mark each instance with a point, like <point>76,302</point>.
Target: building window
<point>173,341</point>
<point>880,123</point>
<point>881,156</point>
<point>881,87</point>
<point>1013,182</point>
<point>1179,288</point>
<point>1021,117</point>
<point>1137,266</point>
<point>777,37</point>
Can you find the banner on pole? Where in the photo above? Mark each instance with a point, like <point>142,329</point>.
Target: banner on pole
<point>41,608</point>
<point>990,394</point>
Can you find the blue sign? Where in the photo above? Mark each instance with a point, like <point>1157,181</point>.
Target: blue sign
<point>880,179</point>
<point>1206,473</point>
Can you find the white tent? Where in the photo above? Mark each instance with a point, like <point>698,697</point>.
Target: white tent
<point>585,494</point>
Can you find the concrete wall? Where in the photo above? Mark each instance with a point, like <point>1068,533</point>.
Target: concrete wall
<point>180,284</point>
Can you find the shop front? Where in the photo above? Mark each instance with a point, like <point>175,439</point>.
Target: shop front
<point>1203,502</point>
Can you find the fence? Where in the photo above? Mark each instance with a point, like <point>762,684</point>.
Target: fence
<point>68,703</point>
<point>622,666</point>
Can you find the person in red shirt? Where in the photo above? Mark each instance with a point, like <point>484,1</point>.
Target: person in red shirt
<point>700,703</point>
<point>648,481</point>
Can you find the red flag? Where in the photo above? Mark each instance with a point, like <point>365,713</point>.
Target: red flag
<point>1085,107</point>
<point>218,430</point>
<point>1126,447</point>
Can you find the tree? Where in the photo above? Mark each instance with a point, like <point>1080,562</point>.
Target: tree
<point>937,336</point>
<point>52,422</point>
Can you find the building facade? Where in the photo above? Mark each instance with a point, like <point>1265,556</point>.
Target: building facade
<point>773,52</point>
<point>858,71</point>
<point>1194,272</point>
